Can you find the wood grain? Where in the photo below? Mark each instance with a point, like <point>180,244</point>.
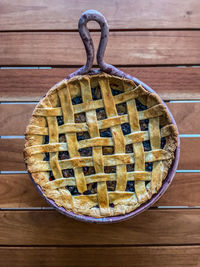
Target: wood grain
<point>18,191</point>
<point>166,227</point>
<point>126,256</point>
<point>184,191</point>
<point>15,117</point>
<point>66,48</point>
<point>185,115</point>
<point>45,15</point>
<point>11,155</point>
<point>170,83</point>
<point>12,158</point>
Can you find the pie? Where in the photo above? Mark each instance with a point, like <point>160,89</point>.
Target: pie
<point>100,145</point>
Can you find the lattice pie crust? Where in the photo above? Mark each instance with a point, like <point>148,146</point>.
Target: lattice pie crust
<point>100,145</point>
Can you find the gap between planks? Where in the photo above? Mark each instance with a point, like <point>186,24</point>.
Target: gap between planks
<point>99,245</point>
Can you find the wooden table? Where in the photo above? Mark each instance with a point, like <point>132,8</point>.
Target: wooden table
<point>157,41</point>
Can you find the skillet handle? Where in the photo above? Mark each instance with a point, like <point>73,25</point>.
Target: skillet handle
<point>93,15</point>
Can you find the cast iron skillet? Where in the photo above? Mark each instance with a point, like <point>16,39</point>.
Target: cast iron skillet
<point>104,67</point>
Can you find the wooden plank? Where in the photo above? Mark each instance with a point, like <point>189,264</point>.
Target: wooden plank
<point>66,48</point>
<point>15,117</point>
<point>30,85</point>
<point>183,118</point>
<point>101,256</point>
<point>184,191</point>
<point>185,115</point>
<point>11,155</point>
<point>12,158</point>
<point>189,156</point>
<point>17,191</point>
<point>166,227</point>
<point>45,15</point>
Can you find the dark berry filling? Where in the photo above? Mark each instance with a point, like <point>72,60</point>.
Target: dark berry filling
<point>94,185</point>
<point>46,139</point>
<point>73,190</point>
<point>88,170</point>
<point>85,152</point>
<point>105,133</point>
<point>147,145</point>
<point>126,129</point>
<point>108,150</point>
<point>101,114</point>
<point>83,136</point>
<point>148,166</point>
<point>163,142</point>
<point>96,93</point>
<point>51,176</point>
<point>111,185</point>
<point>140,106</point>
<point>115,92</point>
<point>130,167</point>
<point>121,109</point>
<point>62,138</point>
<point>62,155</point>
<point>129,148</point>
<point>146,183</point>
<point>77,100</point>
<point>92,188</point>
<point>68,173</point>
<point>130,186</point>
<point>110,169</point>
<point>46,158</point>
<point>87,192</point>
<point>144,125</point>
<point>80,117</point>
<point>60,120</point>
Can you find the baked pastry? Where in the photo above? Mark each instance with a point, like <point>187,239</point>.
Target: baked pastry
<point>100,145</point>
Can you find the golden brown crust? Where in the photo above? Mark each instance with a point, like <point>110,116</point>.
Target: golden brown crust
<point>58,102</point>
